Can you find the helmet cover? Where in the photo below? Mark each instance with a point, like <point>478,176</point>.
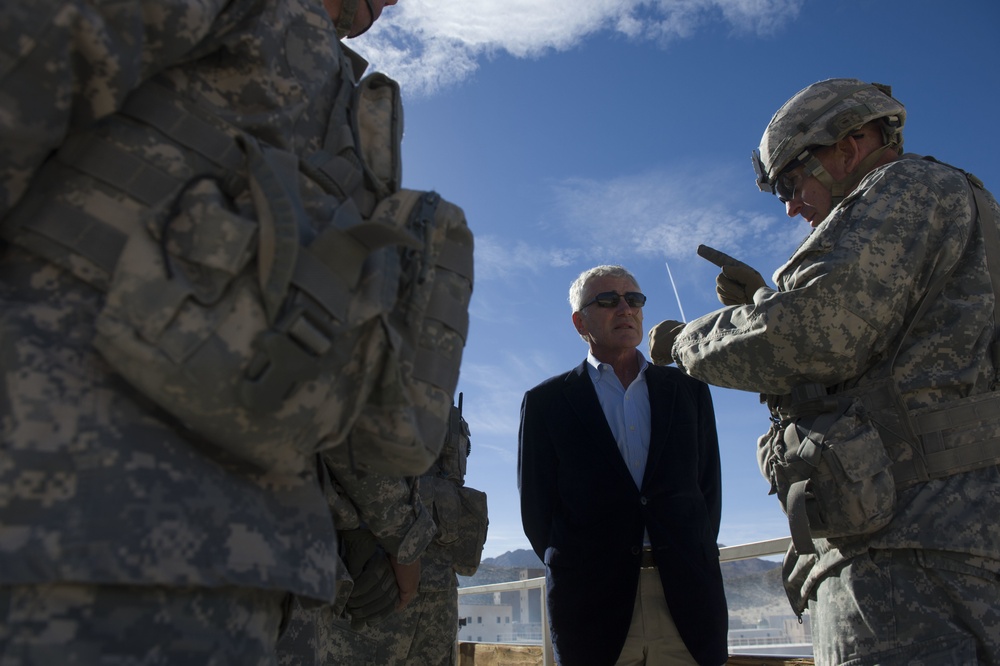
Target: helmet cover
<point>821,115</point>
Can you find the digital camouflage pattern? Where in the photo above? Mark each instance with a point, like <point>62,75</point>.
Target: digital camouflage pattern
<point>897,604</point>
<point>241,295</point>
<point>391,508</point>
<point>95,483</point>
<point>422,634</point>
<point>42,625</point>
<point>820,115</point>
<point>425,632</point>
<point>844,299</point>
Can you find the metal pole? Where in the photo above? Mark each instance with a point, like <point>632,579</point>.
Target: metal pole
<point>548,658</point>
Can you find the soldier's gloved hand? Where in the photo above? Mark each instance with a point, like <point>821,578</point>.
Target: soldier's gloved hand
<point>375,593</point>
<point>737,282</point>
<point>407,580</point>
<point>661,341</point>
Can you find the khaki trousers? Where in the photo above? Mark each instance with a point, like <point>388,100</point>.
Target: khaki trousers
<point>652,638</point>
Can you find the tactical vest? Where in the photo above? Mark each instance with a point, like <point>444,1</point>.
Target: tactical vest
<point>837,460</point>
<point>461,513</point>
<point>269,302</point>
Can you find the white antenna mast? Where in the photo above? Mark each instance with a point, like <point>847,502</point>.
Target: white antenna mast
<point>676,295</point>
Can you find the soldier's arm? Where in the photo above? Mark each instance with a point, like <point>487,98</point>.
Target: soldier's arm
<point>388,506</point>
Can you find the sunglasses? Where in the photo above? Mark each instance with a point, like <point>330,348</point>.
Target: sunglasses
<point>609,299</point>
<point>784,186</point>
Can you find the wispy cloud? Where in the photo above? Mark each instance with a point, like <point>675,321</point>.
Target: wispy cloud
<point>661,214</point>
<point>428,44</point>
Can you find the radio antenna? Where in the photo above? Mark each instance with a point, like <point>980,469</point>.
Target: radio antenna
<point>676,295</point>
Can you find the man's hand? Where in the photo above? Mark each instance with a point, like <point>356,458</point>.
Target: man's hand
<point>661,341</point>
<point>374,595</point>
<point>407,580</point>
<point>737,282</point>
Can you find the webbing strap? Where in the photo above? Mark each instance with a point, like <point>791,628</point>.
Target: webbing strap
<point>984,407</point>
<point>155,105</point>
<point>436,368</point>
<point>457,258</point>
<point>275,199</point>
<point>446,309</point>
<point>938,465</point>
<point>119,168</point>
<point>79,232</point>
<point>334,173</point>
<point>943,436</point>
<point>798,518</point>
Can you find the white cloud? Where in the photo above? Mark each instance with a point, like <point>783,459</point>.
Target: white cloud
<point>654,214</point>
<point>498,257</point>
<point>428,44</point>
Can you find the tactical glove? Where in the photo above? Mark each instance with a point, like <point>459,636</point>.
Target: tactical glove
<point>375,593</point>
<point>737,282</point>
<point>661,341</point>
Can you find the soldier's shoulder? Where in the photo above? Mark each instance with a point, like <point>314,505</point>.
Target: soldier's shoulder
<point>928,172</point>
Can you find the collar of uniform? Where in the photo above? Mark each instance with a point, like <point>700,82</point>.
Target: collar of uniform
<point>358,64</point>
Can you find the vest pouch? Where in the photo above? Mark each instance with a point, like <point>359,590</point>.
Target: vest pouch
<point>402,428</point>
<point>831,473</point>
<point>467,551</point>
<point>186,322</point>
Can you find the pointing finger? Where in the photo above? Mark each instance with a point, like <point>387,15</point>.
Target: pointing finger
<point>718,258</point>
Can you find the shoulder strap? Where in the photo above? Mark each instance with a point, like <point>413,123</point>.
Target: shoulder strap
<point>991,241</point>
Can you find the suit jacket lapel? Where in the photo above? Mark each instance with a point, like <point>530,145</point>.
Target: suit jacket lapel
<point>582,395</point>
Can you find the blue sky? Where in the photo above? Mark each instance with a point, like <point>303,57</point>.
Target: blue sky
<point>601,131</point>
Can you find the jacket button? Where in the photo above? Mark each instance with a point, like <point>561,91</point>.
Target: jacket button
<point>642,501</point>
<point>636,550</point>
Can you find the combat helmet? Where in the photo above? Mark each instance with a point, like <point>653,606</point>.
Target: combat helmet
<point>821,115</point>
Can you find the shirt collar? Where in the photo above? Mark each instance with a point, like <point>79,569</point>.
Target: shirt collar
<point>595,368</point>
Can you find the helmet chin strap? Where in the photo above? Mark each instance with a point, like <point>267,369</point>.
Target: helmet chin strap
<point>371,17</point>
<point>839,189</point>
<point>345,21</point>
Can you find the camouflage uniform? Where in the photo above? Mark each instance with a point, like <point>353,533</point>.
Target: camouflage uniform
<point>99,489</point>
<point>425,632</point>
<point>391,508</point>
<point>844,300</point>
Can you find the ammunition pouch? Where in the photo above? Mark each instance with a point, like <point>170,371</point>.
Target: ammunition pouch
<point>837,462</point>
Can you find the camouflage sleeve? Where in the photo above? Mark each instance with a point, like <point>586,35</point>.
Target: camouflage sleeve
<point>67,63</point>
<point>389,506</point>
<point>845,294</point>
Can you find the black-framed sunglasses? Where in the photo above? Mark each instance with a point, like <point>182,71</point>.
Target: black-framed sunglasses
<point>609,299</point>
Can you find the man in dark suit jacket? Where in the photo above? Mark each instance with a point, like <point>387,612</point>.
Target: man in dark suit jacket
<point>618,470</point>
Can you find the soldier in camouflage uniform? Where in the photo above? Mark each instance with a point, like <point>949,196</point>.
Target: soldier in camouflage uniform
<point>384,530</point>
<point>889,300</point>
<point>124,538</point>
<point>424,633</point>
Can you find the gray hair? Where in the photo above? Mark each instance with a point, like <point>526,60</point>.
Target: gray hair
<point>577,289</point>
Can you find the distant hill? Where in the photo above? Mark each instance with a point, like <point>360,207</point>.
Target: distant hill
<point>753,587</point>
<point>515,558</point>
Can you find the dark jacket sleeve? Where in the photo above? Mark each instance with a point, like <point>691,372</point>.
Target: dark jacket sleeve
<point>710,466</point>
<point>536,468</point>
